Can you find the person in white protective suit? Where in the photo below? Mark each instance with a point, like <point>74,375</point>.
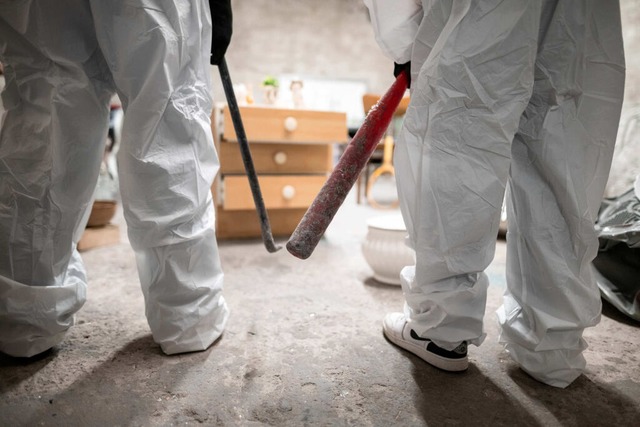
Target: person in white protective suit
<point>62,65</point>
<point>519,94</point>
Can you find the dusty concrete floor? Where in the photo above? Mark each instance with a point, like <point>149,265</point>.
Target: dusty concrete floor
<point>303,347</point>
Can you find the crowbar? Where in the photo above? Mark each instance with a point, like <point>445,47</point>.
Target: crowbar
<point>265,226</point>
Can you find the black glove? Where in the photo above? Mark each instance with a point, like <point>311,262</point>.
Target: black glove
<point>397,69</point>
<point>222,23</point>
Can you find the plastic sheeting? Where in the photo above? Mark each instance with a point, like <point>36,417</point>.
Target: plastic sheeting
<point>617,266</point>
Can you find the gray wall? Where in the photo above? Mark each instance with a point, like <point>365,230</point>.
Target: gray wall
<point>333,39</point>
<point>329,39</point>
<point>630,10</point>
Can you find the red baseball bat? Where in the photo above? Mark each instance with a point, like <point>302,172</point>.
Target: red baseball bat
<point>315,221</point>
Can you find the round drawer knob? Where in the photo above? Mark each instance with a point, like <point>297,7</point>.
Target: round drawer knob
<point>290,124</point>
<point>288,192</point>
<point>280,158</point>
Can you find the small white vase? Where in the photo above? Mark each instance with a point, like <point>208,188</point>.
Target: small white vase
<point>385,249</point>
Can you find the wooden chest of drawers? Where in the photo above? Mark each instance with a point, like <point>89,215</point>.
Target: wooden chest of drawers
<point>292,152</point>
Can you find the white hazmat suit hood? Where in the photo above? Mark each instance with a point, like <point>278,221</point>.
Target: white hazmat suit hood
<point>62,66</point>
<point>518,94</point>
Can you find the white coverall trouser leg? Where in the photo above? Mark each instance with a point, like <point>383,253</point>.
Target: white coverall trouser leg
<point>524,93</point>
<point>62,66</point>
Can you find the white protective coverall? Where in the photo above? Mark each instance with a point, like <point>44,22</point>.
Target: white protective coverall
<point>519,93</point>
<point>62,65</point>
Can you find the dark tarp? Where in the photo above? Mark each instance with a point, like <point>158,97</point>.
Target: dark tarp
<point>617,265</point>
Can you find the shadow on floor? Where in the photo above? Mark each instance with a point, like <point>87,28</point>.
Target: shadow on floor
<point>134,387</point>
<point>613,313</point>
<point>472,398</point>
<point>444,399</point>
<point>583,403</point>
<point>15,370</point>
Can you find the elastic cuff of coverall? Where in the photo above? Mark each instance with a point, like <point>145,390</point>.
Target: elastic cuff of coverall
<point>515,329</point>
<point>36,318</point>
<point>557,368</point>
<point>30,347</point>
<point>447,337</point>
<point>450,345</point>
<point>198,337</point>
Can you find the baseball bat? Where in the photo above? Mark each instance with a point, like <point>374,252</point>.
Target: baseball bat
<point>315,221</point>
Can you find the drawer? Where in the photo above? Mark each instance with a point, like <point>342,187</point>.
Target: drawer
<point>278,158</point>
<point>278,192</point>
<point>245,224</point>
<point>283,125</point>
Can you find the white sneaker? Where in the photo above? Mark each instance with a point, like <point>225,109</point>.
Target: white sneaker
<point>397,330</point>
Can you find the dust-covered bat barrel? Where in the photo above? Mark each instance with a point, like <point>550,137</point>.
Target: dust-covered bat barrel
<point>315,221</point>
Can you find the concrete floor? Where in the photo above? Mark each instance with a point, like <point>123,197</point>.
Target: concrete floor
<point>303,347</point>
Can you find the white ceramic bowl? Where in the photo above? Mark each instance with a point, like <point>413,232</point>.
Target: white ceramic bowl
<point>385,250</point>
